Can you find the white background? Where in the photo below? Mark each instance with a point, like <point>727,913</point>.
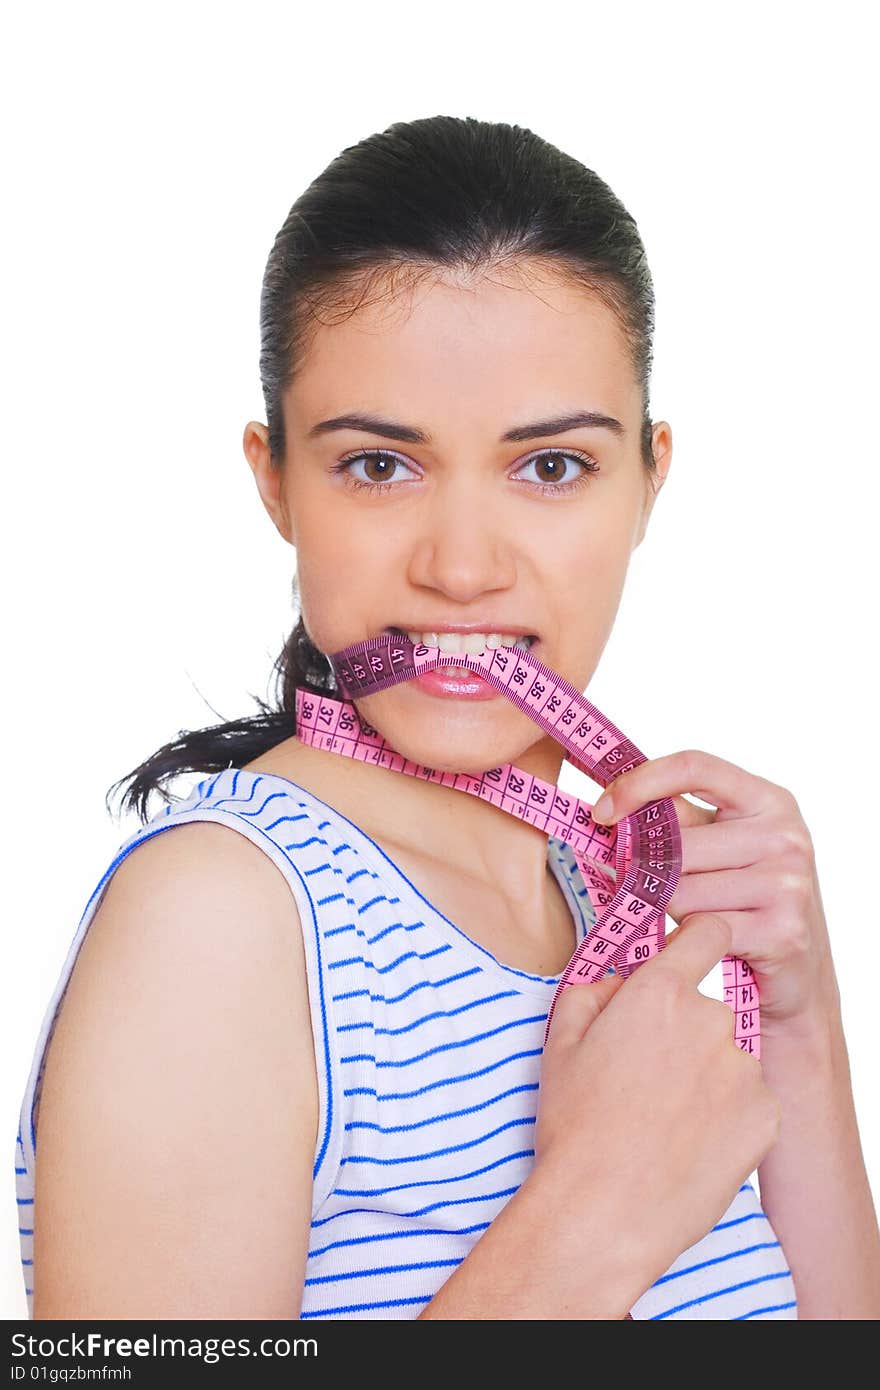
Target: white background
<point>150,155</point>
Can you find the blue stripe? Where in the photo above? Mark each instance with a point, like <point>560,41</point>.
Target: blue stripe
<point>379,898</point>
<point>432,1206</point>
<point>424,1299</point>
<point>395,926</point>
<point>383,969</point>
<point>719,1293</point>
<point>273,796</point>
<point>738,1220</point>
<point>400,1235</point>
<point>444,1081</point>
<point>304,815</point>
<point>231,798</point>
<point>717,1260</point>
<point>371,940</point>
<point>446,1047</point>
<point>421,984</point>
<point>433,1182</point>
<point>450,1149</point>
<point>396,870</point>
<point>381,1269</point>
<point>771,1308</point>
<point>448,1115</point>
<point>425,1018</point>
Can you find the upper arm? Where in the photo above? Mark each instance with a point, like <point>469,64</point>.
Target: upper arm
<point>179,1108</point>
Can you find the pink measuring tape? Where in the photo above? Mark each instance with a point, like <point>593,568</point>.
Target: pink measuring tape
<point>629,899</point>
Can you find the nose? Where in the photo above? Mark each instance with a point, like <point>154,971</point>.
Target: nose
<point>461,546</point>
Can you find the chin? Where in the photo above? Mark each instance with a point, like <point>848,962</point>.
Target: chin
<point>455,744</point>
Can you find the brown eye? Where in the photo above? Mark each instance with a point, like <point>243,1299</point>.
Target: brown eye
<point>552,467</point>
<point>381,466</point>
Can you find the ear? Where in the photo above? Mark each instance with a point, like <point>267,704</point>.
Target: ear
<point>661,445</point>
<point>268,477</point>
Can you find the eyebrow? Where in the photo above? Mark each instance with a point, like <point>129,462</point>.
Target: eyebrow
<point>408,434</point>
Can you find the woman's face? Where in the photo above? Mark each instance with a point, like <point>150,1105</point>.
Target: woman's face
<point>468,527</point>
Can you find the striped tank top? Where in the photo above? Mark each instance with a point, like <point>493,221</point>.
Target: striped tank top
<point>428,1054</point>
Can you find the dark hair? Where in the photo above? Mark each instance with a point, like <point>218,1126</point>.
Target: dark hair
<point>443,192</point>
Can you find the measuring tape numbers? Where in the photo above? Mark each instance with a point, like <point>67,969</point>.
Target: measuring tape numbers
<point>631,894</point>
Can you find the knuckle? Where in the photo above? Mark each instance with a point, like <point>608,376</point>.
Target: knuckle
<point>793,887</point>
<point>780,793</point>
<point>692,761</point>
<point>793,937</point>
<point>792,840</point>
<point>574,1003</point>
<point>713,921</point>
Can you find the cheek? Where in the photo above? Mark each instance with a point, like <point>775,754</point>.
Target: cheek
<point>328,589</point>
<point>590,560</point>
<point>588,572</point>
<point>334,560</point>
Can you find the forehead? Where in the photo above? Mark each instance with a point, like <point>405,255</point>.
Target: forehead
<point>501,343</point>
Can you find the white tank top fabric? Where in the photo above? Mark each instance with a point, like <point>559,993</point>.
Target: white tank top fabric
<point>428,1053</point>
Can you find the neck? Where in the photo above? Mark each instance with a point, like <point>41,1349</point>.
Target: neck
<point>471,836</point>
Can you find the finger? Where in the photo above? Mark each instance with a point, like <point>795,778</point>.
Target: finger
<point>732,844</point>
<point>701,941</point>
<point>723,784</point>
<point>748,942</point>
<point>691,815</point>
<point>745,889</point>
<point>578,1006</point>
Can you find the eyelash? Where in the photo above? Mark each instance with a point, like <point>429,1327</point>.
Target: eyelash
<point>589,464</point>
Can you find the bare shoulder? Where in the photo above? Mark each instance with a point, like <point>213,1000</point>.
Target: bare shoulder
<point>199,894</point>
<point>179,1107</point>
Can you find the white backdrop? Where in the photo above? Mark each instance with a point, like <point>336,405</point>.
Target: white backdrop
<point>150,156</point>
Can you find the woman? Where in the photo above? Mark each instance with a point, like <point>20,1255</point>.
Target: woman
<point>299,1069</point>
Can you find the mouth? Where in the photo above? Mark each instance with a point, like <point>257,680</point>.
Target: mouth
<point>472,643</point>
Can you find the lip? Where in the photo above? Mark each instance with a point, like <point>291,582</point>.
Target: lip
<point>465,684</point>
<point>514,629</point>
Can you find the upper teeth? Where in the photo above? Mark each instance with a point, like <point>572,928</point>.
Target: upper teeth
<point>472,642</point>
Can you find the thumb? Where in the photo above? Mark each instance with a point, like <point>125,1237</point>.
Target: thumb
<point>578,1007</point>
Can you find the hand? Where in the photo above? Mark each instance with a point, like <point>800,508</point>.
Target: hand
<point>648,1112</point>
<point>751,861</point>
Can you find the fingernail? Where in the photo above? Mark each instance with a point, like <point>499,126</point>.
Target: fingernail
<point>604,808</point>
